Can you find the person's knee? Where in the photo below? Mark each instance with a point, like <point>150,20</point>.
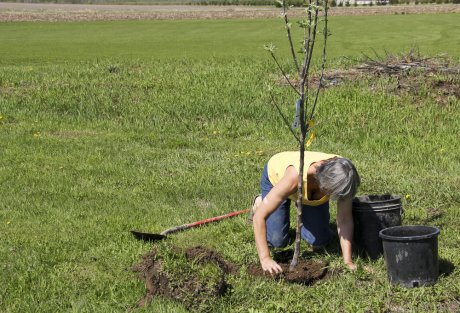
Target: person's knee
<point>316,238</point>
<point>278,239</point>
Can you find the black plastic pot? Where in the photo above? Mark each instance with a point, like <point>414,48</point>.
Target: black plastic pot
<point>371,214</point>
<point>411,255</point>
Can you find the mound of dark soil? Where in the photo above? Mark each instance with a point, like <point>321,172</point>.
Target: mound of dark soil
<point>197,276</point>
<point>305,273</point>
<point>191,282</point>
<point>203,255</point>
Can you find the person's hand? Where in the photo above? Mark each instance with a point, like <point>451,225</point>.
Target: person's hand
<point>268,265</point>
<point>351,266</point>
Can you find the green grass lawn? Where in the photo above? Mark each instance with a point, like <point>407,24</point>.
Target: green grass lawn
<point>111,126</point>
<point>351,35</point>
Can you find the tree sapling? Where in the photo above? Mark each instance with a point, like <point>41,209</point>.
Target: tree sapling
<point>307,95</point>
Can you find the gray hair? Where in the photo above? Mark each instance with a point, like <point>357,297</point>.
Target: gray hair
<point>339,178</point>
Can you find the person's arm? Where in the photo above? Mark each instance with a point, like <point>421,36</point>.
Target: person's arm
<point>280,192</point>
<point>345,230</point>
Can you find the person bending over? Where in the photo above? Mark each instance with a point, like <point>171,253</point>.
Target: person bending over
<point>326,177</point>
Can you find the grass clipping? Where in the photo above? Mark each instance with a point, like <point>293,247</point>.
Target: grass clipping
<point>194,276</point>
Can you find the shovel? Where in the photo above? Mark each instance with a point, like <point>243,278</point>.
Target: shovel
<point>154,237</point>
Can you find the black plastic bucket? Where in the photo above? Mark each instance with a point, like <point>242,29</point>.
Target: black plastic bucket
<point>371,214</point>
<point>411,255</point>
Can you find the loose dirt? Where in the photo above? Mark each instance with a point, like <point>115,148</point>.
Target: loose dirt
<point>192,290</point>
<point>305,273</point>
<point>52,12</point>
<point>203,255</point>
<point>195,291</point>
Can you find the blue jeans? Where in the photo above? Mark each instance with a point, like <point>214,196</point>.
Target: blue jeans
<point>315,220</point>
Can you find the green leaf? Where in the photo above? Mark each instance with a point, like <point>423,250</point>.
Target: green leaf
<point>302,23</point>
<point>270,47</point>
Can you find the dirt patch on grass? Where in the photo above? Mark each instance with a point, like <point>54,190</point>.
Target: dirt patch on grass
<point>197,276</point>
<point>305,273</point>
<point>203,255</point>
<point>80,12</point>
<point>420,78</point>
<point>186,283</point>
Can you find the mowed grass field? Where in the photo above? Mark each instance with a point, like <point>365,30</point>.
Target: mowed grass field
<point>203,39</point>
<point>109,126</point>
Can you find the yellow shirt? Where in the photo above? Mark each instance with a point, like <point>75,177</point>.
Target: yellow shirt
<point>279,162</point>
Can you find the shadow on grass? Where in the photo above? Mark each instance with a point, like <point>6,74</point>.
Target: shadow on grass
<point>445,267</point>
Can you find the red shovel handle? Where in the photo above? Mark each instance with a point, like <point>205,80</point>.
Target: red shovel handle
<point>206,221</point>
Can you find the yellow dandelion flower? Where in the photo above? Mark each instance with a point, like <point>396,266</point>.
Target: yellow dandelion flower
<point>408,197</point>
<point>310,140</point>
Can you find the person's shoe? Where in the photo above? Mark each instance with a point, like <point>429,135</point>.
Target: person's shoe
<point>255,203</point>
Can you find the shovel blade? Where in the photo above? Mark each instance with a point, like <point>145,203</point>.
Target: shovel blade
<point>139,235</point>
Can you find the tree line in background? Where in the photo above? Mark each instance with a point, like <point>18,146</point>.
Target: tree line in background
<point>333,3</point>
<point>348,3</point>
<point>296,3</point>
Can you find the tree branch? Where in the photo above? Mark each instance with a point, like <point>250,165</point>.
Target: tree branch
<point>323,63</point>
<point>306,47</point>
<point>288,29</point>
<point>312,45</point>
<point>284,118</point>
<point>284,73</point>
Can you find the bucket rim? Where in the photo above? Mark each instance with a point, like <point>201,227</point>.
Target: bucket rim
<point>394,197</point>
<point>435,232</point>
<point>390,207</point>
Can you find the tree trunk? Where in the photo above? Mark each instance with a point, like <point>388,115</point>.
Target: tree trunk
<point>300,184</point>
